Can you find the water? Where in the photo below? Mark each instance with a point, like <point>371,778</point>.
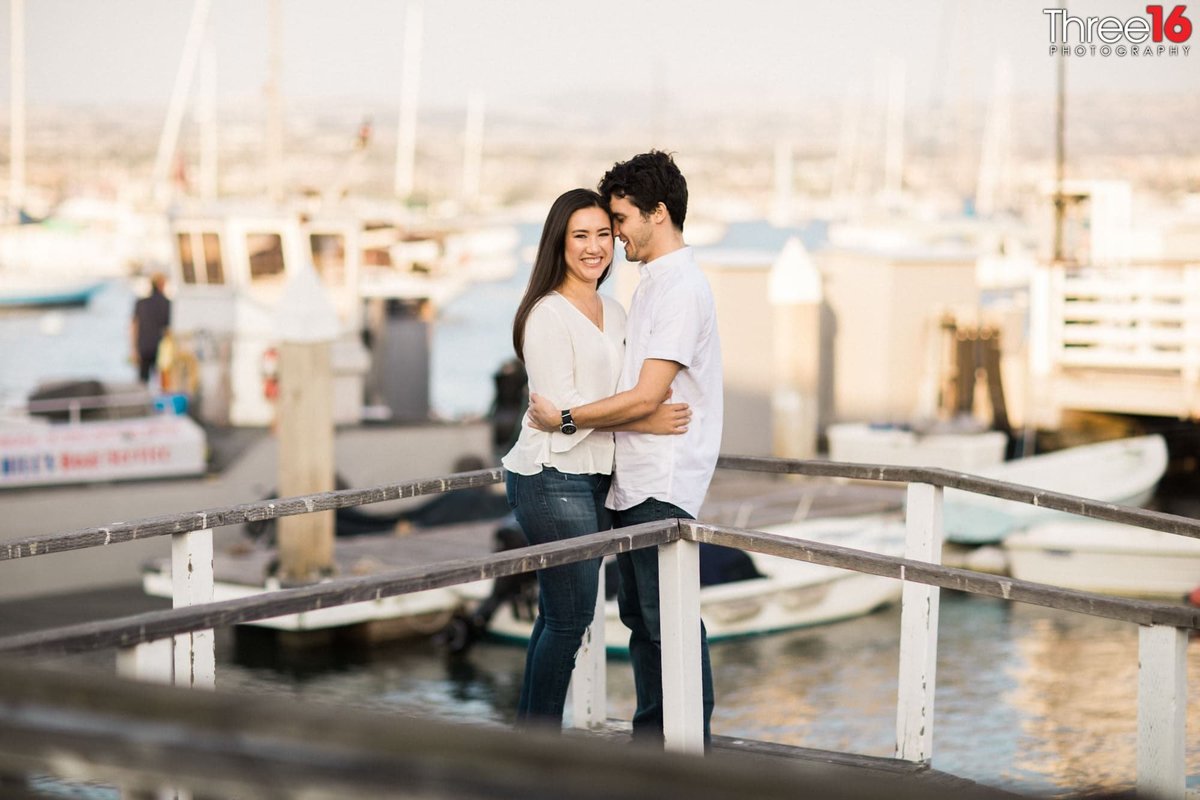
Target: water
<point>1028,699</point>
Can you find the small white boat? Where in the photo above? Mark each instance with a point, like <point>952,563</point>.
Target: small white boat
<point>1123,471</point>
<point>791,594</point>
<point>1094,556</point>
<point>967,451</point>
<point>129,441</point>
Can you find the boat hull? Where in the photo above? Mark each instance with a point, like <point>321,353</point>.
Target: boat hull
<point>1107,558</point>
<point>791,594</point>
<point>1124,471</point>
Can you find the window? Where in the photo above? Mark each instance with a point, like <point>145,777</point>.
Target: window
<point>266,254</point>
<point>329,256</point>
<point>215,272</point>
<point>186,262</point>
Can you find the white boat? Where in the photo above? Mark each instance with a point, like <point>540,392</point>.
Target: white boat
<point>132,443</point>
<point>889,444</point>
<point>382,274</point>
<point>1123,471</point>
<point>1094,556</point>
<point>792,594</point>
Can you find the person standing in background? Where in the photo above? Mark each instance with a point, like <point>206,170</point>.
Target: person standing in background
<point>151,321</point>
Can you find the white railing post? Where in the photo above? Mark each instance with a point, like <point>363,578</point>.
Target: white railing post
<point>679,620</point>
<point>589,681</point>
<point>192,579</point>
<point>918,628</point>
<point>1162,712</point>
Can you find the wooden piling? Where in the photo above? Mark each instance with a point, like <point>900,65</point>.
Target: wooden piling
<point>307,325</point>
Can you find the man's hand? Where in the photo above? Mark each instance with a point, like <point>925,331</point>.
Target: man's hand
<point>543,415</point>
<point>668,418</point>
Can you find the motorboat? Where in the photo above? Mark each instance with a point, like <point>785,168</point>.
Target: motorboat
<point>1122,471</point>
<point>789,594</point>
<point>1106,557</point>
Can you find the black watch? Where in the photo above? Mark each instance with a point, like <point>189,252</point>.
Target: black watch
<point>568,424</point>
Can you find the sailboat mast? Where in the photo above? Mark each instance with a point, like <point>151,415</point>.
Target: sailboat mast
<point>275,106</point>
<point>473,150</point>
<point>410,78</point>
<point>179,94</point>
<point>1060,201</point>
<point>207,116</point>
<point>16,170</point>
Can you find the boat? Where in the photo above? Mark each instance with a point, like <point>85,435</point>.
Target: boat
<point>1121,471</point>
<point>384,277</point>
<point>27,294</point>
<point>82,432</point>
<point>790,594</point>
<point>966,451</point>
<point>1106,557</point>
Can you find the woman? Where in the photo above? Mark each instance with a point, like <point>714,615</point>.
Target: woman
<point>572,341</point>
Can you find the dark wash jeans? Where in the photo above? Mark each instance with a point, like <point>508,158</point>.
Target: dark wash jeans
<point>552,506</point>
<point>637,597</point>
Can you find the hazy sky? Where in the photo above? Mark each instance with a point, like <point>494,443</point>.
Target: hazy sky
<point>703,54</point>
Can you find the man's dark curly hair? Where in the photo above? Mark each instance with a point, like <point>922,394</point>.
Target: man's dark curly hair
<point>647,180</point>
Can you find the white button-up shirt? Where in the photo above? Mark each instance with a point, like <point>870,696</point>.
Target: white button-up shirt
<point>570,362</point>
<point>672,317</point>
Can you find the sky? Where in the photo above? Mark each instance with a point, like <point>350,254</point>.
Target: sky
<point>701,54</point>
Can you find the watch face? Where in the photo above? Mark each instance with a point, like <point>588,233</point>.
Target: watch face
<point>569,428</point>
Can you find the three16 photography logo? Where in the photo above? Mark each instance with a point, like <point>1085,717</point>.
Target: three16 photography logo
<point>1158,34</point>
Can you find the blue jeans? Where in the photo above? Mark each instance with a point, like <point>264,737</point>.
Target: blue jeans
<point>552,506</point>
<point>637,597</point>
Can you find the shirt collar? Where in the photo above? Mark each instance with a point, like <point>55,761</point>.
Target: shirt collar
<point>668,263</point>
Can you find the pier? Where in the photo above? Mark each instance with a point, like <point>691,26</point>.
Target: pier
<point>100,727</point>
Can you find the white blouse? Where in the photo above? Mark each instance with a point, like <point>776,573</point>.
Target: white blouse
<point>570,362</point>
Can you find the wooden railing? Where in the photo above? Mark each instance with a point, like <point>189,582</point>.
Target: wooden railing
<point>1162,695</point>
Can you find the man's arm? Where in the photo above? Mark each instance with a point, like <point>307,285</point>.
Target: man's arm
<point>654,383</point>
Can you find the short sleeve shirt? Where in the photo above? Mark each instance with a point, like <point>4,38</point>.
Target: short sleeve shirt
<point>672,317</point>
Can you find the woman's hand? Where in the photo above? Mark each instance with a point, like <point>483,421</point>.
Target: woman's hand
<point>543,414</point>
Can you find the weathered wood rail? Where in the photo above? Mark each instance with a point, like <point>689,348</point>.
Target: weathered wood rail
<point>1162,685</point>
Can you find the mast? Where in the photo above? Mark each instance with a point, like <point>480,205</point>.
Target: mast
<point>183,81</point>
<point>893,180</point>
<point>207,117</point>
<point>275,106</point>
<point>473,150</point>
<point>410,79</point>
<point>1060,201</point>
<point>16,170</point>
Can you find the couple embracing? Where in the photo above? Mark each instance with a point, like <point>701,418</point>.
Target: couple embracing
<point>624,424</point>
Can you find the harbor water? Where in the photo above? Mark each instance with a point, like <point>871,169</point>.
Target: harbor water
<point>1029,699</point>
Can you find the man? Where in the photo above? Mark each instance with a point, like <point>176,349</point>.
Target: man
<point>671,347</point>
<point>151,319</point>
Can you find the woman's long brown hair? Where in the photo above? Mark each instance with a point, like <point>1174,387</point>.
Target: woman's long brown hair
<point>550,265</point>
